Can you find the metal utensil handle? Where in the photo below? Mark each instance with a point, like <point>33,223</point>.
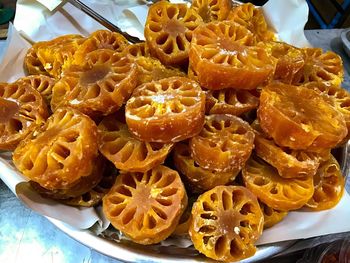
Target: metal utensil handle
<point>81,6</point>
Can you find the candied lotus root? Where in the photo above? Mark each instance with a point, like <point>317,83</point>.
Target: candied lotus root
<point>271,216</point>
<point>222,55</point>
<point>211,10</point>
<point>326,67</point>
<point>230,101</point>
<point>61,153</point>
<point>253,19</point>
<point>224,144</point>
<point>32,64</point>
<point>146,206</point>
<point>198,178</point>
<point>100,39</point>
<point>168,110</point>
<point>279,193</point>
<point>329,186</point>
<point>137,50</point>
<point>22,110</point>
<point>226,222</point>
<point>126,152</point>
<point>97,87</point>
<point>168,31</point>
<point>299,118</point>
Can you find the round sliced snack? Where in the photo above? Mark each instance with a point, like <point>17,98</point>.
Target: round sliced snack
<point>271,216</point>
<point>211,10</point>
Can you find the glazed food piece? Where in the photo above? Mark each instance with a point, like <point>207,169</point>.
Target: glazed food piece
<point>185,220</point>
<point>97,87</point>
<point>290,60</point>
<point>126,152</point>
<point>211,10</point>
<point>137,50</point>
<point>279,193</point>
<point>32,64</point>
<point>146,206</point>
<point>299,118</point>
<point>41,83</point>
<point>271,216</point>
<point>22,110</point>
<point>230,101</point>
<point>223,56</point>
<point>57,54</point>
<point>61,153</point>
<point>329,186</point>
<point>100,39</point>
<point>289,163</point>
<point>226,222</point>
<point>168,32</point>
<point>168,110</point>
<point>224,144</point>
<point>326,67</point>
<point>253,19</point>
<point>197,178</point>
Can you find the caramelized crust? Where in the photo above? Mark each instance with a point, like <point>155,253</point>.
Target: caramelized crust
<point>211,10</point>
<point>137,50</point>
<point>271,216</point>
<point>32,64</point>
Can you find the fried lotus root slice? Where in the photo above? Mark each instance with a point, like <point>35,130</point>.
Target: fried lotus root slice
<point>82,186</point>
<point>41,83</point>
<point>57,54</point>
<point>290,60</point>
<point>279,193</point>
<point>299,118</point>
<point>211,10</point>
<point>329,186</point>
<point>222,55</point>
<point>146,206</point>
<point>224,144</point>
<point>126,152</point>
<point>22,110</point>
<point>168,110</point>
<point>152,69</point>
<point>230,101</point>
<point>97,87</point>
<point>253,19</point>
<point>32,64</point>
<point>271,216</point>
<point>137,50</point>
<point>168,32</point>
<point>198,178</point>
<point>226,222</point>
<point>326,67</point>
<point>61,153</point>
<point>100,39</point>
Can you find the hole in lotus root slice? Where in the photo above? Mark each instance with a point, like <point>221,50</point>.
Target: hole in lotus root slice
<point>220,234</point>
<point>22,110</point>
<point>212,10</point>
<point>145,219</point>
<point>224,144</point>
<point>97,87</point>
<point>155,112</point>
<point>59,162</point>
<point>32,64</point>
<point>139,49</point>
<point>168,32</point>
<point>138,156</point>
<point>279,193</point>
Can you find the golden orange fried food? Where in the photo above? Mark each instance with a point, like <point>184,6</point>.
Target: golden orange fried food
<point>22,110</point>
<point>326,67</point>
<point>126,152</point>
<point>211,10</point>
<point>224,144</point>
<point>61,153</point>
<point>282,194</point>
<point>252,18</point>
<point>226,222</point>
<point>146,206</point>
<point>271,216</point>
<point>299,118</point>
<point>196,177</point>
<point>230,101</point>
<point>32,64</point>
<point>137,50</point>
<point>222,54</point>
<point>168,110</point>
<point>97,87</point>
<point>329,186</point>
<point>168,31</point>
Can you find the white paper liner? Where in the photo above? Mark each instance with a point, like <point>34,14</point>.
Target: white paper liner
<point>288,19</point>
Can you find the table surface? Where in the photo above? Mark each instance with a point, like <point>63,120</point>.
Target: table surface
<point>26,235</point>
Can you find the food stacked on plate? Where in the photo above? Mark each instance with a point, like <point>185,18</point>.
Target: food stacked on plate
<point>210,108</point>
